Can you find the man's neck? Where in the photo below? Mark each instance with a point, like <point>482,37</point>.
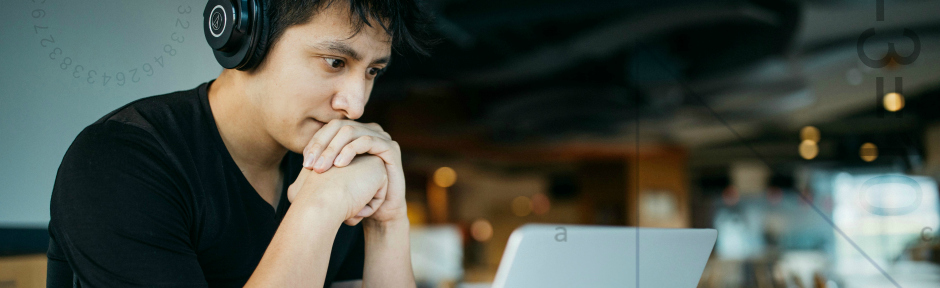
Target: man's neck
<point>241,127</point>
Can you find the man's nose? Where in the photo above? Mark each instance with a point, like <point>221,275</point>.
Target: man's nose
<point>351,97</point>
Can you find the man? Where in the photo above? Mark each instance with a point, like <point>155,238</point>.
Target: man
<point>188,189</point>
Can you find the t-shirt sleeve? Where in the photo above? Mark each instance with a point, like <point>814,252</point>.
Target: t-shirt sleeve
<point>352,266</point>
<point>119,213</point>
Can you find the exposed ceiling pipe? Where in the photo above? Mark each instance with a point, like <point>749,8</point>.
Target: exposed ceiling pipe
<point>616,36</point>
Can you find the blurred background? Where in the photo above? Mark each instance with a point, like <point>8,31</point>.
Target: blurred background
<point>805,132</point>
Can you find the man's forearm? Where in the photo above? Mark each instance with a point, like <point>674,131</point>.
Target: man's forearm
<point>388,254</point>
<point>299,253</point>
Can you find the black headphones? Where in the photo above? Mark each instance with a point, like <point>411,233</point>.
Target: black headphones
<point>237,31</point>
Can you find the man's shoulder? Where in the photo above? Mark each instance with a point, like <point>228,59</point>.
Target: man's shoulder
<point>159,126</point>
<point>158,112</point>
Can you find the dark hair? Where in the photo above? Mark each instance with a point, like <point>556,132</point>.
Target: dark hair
<point>403,20</point>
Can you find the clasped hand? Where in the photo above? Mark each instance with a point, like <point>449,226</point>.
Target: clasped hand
<point>361,190</point>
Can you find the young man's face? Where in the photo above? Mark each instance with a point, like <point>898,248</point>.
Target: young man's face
<point>317,72</point>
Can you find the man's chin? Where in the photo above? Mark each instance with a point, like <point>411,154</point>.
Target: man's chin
<point>301,137</point>
<point>299,142</point>
<point>298,146</point>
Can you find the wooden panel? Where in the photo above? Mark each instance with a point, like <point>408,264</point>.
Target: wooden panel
<point>23,271</point>
<point>659,174</point>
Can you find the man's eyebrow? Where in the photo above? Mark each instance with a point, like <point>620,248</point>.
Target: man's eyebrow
<point>384,60</point>
<point>345,50</point>
<point>338,48</point>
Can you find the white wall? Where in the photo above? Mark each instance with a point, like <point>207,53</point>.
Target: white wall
<point>43,107</point>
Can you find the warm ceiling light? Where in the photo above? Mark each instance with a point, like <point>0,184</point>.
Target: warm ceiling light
<point>868,152</point>
<point>808,149</point>
<point>481,230</point>
<point>540,204</point>
<point>445,177</point>
<point>809,133</point>
<point>893,102</point>
<point>521,206</point>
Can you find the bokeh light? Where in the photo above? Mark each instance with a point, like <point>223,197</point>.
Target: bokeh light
<point>893,102</point>
<point>868,152</point>
<point>445,177</point>
<point>810,133</point>
<point>481,230</point>
<point>808,149</point>
<point>540,204</point>
<point>521,206</point>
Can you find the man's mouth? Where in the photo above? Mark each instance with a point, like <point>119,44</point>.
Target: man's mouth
<point>318,121</point>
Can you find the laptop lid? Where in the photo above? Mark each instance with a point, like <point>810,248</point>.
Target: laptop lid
<point>544,255</point>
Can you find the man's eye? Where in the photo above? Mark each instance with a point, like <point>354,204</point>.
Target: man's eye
<point>335,63</point>
<point>376,71</point>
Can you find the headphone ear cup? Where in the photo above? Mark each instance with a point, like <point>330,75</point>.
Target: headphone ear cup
<point>261,46</point>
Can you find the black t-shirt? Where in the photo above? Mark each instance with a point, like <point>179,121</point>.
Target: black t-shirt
<point>148,195</point>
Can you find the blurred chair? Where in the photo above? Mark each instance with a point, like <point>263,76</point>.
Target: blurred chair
<point>436,255</point>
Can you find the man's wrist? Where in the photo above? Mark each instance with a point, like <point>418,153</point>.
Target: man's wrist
<point>388,254</point>
<point>324,206</point>
<point>384,227</point>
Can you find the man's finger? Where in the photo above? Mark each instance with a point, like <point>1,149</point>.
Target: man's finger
<point>320,140</point>
<point>352,221</point>
<point>372,206</point>
<point>383,191</point>
<point>388,151</point>
<point>345,135</point>
<point>299,182</point>
<point>366,211</point>
<point>364,144</point>
<point>327,142</point>
<point>376,201</point>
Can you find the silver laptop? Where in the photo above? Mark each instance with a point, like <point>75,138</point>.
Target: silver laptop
<point>601,256</point>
